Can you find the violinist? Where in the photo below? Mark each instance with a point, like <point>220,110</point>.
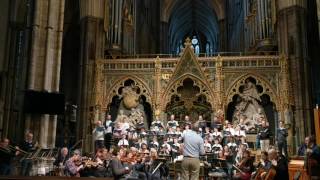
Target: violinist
<point>245,167</point>
<point>72,166</point>
<point>61,160</point>
<point>119,169</point>
<point>148,166</point>
<point>263,166</point>
<point>100,163</point>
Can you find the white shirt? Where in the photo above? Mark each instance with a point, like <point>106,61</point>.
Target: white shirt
<point>107,124</point>
<point>207,147</point>
<point>216,146</point>
<point>123,142</point>
<point>240,133</point>
<point>231,130</point>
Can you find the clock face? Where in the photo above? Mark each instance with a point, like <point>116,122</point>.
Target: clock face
<point>194,41</point>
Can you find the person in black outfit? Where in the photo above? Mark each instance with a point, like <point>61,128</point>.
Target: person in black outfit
<point>6,156</point>
<point>280,164</point>
<point>29,146</point>
<point>282,134</point>
<point>264,136</point>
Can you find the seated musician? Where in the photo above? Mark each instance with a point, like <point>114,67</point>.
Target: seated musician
<point>227,155</point>
<point>119,169</point>
<point>245,166</point>
<point>172,122</point>
<point>263,166</point>
<point>313,157</point>
<point>123,141</point>
<point>207,146</point>
<point>239,155</point>
<point>279,165</point>
<point>61,160</point>
<point>72,166</point>
<point>148,166</point>
<point>99,164</point>
<point>6,156</point>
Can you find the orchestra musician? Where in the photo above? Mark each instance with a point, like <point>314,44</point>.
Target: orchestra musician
<point>245,167</point>
<point>279,169</point>
<point>119,169</point>
<point>6,156</point>
<point>312,157</point>
<point>74,165</point>
<point>262,167</point>
<point>61,160</point>
<point>28,145</point>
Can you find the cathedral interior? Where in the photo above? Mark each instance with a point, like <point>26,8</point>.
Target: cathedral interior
<point>66,64</point>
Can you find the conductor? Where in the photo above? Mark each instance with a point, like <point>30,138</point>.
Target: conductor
<point>192,148</point>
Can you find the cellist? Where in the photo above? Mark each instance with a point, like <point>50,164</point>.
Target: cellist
<point>263,167</point>
<point>245,167</point>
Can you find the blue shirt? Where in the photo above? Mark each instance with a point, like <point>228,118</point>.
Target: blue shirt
<point>193,144</point>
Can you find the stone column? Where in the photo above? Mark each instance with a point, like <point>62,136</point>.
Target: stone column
<point>91,49</point>
<point>45,61</point>
<point>293,43</point>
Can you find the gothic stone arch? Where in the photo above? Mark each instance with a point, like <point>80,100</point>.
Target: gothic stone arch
<point>113,90</point>
<point>172,89</point>
<point>267,88</point>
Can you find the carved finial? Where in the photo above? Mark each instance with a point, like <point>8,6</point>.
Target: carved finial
<point>157,63</point>
<point>187,42</point>
<point>219,61</point>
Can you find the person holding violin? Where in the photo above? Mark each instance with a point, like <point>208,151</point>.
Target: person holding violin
<point>74,165</point>
<point>245,167</point>
<point>119,169</point>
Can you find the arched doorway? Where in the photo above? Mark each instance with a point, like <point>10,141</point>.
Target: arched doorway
<point>190,100</point>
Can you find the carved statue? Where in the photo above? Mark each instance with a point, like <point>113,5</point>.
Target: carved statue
<point>132,108</point>
<point>130,97</point>
<point>248,109</point>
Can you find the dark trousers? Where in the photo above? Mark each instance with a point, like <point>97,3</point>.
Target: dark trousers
<point>282,147</point>
<point>26,166</point>
<point>5,169</point>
